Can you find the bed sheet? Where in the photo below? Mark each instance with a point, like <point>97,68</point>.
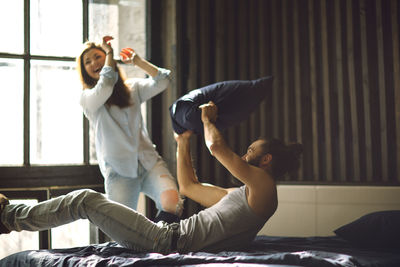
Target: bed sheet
<point>265,250</point>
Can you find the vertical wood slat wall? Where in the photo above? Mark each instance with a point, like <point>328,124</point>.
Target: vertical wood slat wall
<point>336,80</point>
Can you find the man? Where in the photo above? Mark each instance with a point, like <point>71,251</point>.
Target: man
<point>232,218</point>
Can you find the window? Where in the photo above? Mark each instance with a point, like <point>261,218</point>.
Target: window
<point>45,140</point>
<point>38,64</point>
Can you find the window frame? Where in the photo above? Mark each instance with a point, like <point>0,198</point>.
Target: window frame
<point>42,182</point>
<point>27,57</point>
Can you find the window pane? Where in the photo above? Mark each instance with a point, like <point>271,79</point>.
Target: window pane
<point>104,20</point>
<point>19,241</point>
<point>125,21</point>
<point>56,116</point>
<point>56,27</point>
<point>12,26</point>
<point>74,234</point>
<point>11,110</point>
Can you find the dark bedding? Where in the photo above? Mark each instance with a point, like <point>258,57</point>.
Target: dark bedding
<point>265,250</point>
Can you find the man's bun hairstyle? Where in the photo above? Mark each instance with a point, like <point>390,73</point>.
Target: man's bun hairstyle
<point>285,158</point>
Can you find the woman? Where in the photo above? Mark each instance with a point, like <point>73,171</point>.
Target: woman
<point>126,155</point>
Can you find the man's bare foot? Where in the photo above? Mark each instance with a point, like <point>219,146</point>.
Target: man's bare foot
<point>3,202</point>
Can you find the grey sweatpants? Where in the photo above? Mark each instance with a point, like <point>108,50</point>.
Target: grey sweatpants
<point>124,225</point>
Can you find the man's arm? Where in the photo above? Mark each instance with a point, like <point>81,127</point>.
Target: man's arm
<point>261,196</point>
<point>204,194</point>
<point>215,142</point>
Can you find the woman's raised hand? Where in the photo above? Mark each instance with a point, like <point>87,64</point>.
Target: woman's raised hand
<point>106,45</point>
<point>127,55</point>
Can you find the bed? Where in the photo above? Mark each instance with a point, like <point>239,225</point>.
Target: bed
<point>370,241</point>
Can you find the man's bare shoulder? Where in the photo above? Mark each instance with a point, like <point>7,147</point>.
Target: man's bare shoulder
<point>262,194</point>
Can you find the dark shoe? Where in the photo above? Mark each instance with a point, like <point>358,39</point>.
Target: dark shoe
<point>3,202</point>
<point>166,217</point>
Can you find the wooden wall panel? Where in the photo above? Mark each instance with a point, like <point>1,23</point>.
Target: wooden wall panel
<point>395,22</point>
<point>313,86</point>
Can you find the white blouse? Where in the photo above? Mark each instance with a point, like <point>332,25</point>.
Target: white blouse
<point>121,136</point>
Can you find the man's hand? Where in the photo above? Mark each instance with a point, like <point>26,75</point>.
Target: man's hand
<point>209,112</point>
<point>183,136</point>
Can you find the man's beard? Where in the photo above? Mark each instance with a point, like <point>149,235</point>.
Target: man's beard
<point>255,161</point>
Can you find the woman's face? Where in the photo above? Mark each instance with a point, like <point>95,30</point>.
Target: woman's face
<point>93,61</point>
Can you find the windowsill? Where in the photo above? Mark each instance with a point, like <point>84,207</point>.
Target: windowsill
<point>66,176</point>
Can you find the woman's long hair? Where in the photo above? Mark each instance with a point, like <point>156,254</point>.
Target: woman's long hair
<point>121,93</point>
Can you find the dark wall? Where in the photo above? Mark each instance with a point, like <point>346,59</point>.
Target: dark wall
<point>336,88</point>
